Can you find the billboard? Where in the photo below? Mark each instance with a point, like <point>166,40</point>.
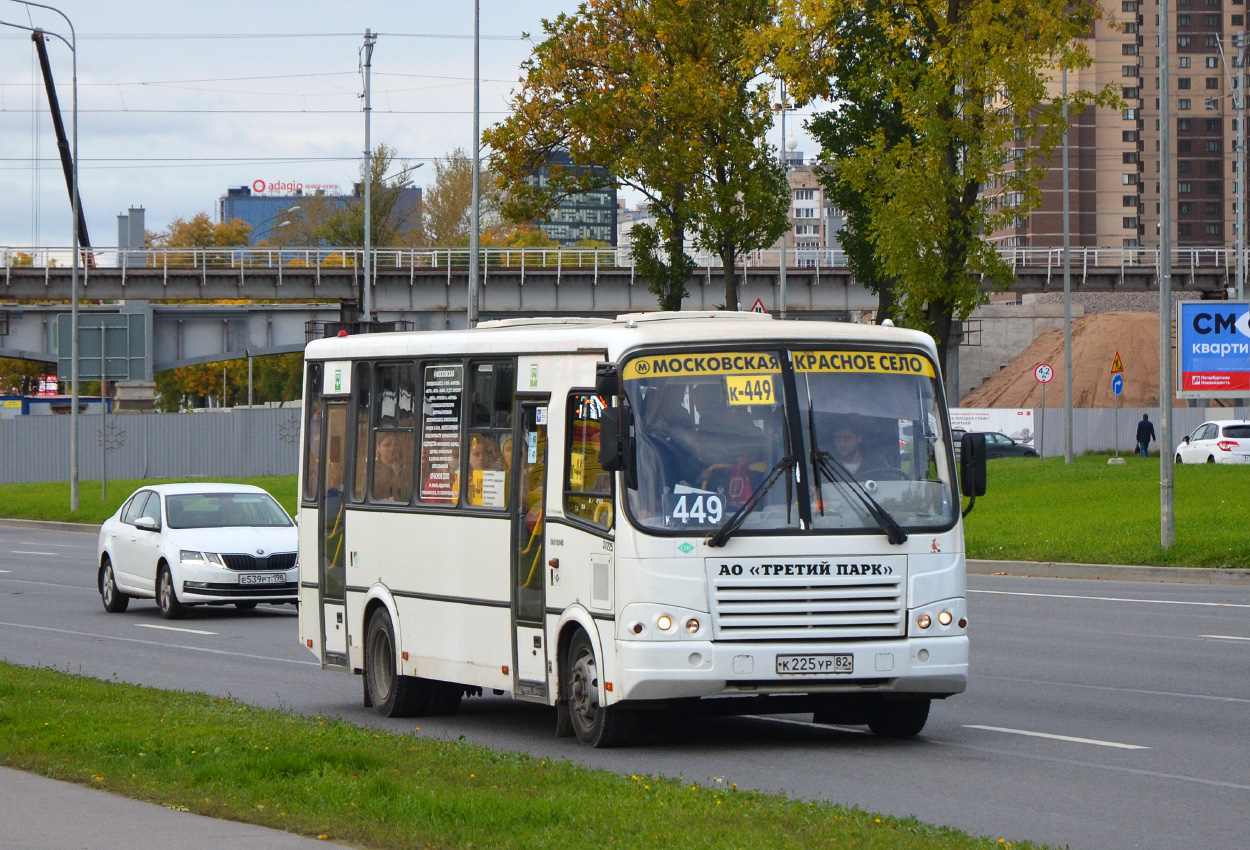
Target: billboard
<point>1213,349</point>
<point>1015,423</point>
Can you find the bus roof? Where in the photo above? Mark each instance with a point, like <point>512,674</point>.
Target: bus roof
<point>614,337</point>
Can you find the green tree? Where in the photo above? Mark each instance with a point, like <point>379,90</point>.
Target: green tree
<point>447,212</point>
<point>389,224</point>
<point>200,232</point>
<point>274,378</point>
<point>666,96</point>
<point>968,78</point>
<point>21,377</point>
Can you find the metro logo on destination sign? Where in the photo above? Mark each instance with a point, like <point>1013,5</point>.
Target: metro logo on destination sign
<point>863,361</point>
<point>724,363</point>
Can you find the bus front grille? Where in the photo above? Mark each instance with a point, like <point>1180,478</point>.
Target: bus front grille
<point>812,608</point>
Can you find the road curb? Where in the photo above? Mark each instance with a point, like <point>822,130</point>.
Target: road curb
<point>80,527</point>
<point>1111,572</point>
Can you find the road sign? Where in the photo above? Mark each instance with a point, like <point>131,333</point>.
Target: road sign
<point>1044,373</point>
<point>758,307</point>
<point>1117,384</point>
<point>1117,366</point>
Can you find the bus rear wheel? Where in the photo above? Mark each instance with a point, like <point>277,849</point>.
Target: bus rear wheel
<point>594,723</point>
<point>392,694</point>
<point>902,718</point>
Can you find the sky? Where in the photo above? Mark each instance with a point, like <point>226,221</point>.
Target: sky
<point>178,101</point>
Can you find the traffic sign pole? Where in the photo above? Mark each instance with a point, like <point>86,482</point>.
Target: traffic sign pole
<point>1044,374</point>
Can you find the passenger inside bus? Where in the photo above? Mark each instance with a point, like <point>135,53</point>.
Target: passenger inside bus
<point>487,472</point>
<point>735,451</point>
<point>392,477</point>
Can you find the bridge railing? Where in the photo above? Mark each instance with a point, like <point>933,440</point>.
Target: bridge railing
<point>1083,260</point>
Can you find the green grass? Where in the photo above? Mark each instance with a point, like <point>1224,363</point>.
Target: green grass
<point>327,778</point>
<point>1095,513</point>
<point>49,500</point>
<point>1089,513</point>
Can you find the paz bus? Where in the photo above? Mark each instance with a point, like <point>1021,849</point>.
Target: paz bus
<point>610,516</point>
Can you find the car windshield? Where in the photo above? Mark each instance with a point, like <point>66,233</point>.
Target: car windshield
<point>715,436</point>
<point>225,510</point>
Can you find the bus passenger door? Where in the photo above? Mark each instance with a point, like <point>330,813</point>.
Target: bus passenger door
<point>529,564</point>
<point>331,539</point>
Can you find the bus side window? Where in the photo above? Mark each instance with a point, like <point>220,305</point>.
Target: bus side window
<point>312,433</point>
<point>487,481</point>
<point>587,487</point>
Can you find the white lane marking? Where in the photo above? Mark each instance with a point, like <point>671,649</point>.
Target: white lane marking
<point>1114,599</point>
<point>1053,684</point>
<point>174,629</point>
<point>6,572</point>
<point>1068,738</point>
<point>1224,637</point>
<point>25,552</point>
<point>160,645</point>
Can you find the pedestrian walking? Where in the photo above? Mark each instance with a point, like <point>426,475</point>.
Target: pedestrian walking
<point>1145,433</point>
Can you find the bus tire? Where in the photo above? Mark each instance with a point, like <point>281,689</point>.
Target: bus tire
<point>444,697</point>
<point>903,718</point>
<point>391,694</point>
<point>594,724</point>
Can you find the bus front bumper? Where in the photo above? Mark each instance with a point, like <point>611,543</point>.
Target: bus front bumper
<point>647,670</point>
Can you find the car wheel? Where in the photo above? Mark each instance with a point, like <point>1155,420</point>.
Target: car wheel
<point>167,596</point>
<point>593,723</point>
<point>1178,459</point>
<point>245,606</point>
<point>898,718</point>
<point>1030,454</point>
<point>114,600</point>
<point>1210,458</point>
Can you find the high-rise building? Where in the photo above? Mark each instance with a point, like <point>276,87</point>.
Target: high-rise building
<point>1114,154</point>
<point>586,215</point>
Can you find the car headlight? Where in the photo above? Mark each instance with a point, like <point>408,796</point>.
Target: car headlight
<point>188,556</point>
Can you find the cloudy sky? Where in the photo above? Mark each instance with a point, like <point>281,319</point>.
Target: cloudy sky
<point>179,101</point>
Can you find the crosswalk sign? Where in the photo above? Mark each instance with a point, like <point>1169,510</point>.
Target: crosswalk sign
<point>758,307</point>
<point>1116,365</point>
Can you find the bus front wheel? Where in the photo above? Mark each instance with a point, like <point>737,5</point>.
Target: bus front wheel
<point>902,718</point>
<point>594,723</point>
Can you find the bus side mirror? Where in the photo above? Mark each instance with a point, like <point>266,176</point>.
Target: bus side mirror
<point>607,381</point>
<point>616,444</point>
<point>972,465</point>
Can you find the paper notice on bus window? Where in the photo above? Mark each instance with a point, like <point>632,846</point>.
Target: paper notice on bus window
<point>494,489</point>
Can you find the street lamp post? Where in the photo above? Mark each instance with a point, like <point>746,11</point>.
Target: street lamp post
<point>72,44</point>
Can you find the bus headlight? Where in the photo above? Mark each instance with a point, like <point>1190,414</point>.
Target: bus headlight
<point>924,621</point>
<point>942,618</point>
<point>945,618</point>
<point>692,625</point>
<point>665,622</point>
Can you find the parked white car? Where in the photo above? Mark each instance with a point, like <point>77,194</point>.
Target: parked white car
<point>195,544</point>
<point>1218,441</point>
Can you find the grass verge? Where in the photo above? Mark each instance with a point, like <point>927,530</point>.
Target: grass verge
<point>1093,512</point>
<point>327,778</point>
<point>1088,513</point>
<point>49,500</point>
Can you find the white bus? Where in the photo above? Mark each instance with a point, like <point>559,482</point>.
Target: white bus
<point>607,516</point>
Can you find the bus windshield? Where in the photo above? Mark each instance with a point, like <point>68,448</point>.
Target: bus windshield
<point>716,435</point>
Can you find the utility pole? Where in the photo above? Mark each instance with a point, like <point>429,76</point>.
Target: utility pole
<point>1167,526</point>
<point>1239,63</point>
<point>475,225</point>
<point>370,39</point>
<point>785,237</point>
<point>1067,292</point>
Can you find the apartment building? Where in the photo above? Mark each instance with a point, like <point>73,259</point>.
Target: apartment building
<point>1114,154</point>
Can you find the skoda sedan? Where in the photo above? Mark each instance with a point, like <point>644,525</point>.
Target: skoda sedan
<point>1219,441</point>
<point>197,544</point>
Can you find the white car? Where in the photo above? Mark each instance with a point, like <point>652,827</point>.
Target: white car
<point>194,544</point>
<point>1218,441</point>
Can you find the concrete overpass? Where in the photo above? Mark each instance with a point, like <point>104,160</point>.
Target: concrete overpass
<point>206,305</point>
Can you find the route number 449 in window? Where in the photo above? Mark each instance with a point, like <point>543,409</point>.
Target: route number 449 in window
<point>701,508</point>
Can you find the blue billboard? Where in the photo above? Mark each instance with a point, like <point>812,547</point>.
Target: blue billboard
<point>1213,349</point>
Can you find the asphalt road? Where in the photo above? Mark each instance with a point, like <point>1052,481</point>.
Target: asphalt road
<point>1099,714</point>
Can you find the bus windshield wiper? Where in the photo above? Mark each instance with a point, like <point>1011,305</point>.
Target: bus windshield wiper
<point>831,468</point>
<point>718,538</point>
